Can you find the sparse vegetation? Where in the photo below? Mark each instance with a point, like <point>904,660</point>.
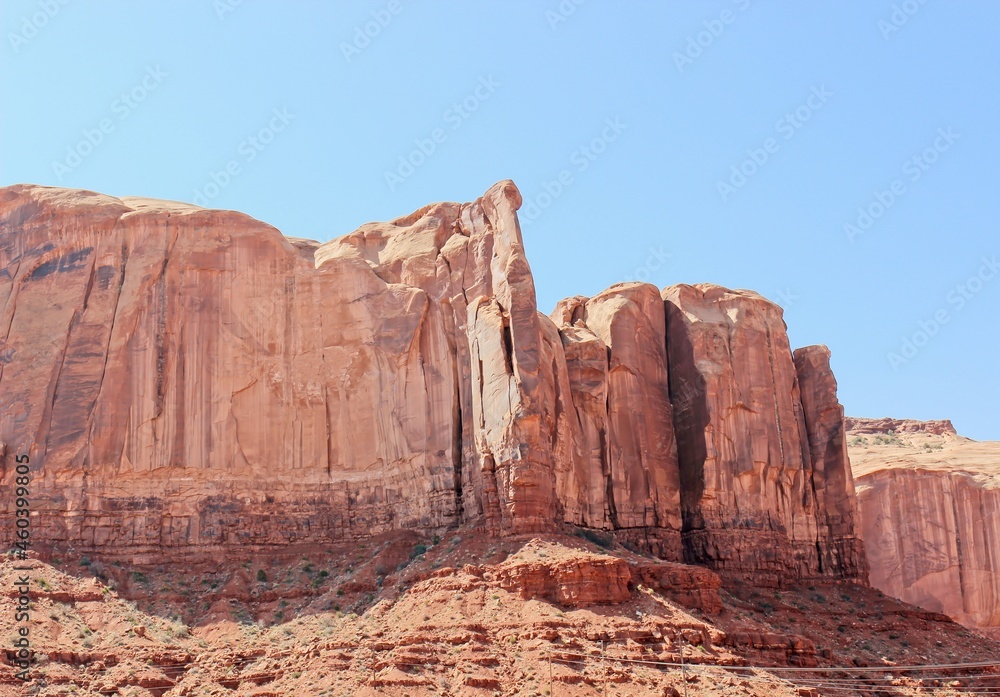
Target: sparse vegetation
<point>888,439</point>
<point>601,539</point>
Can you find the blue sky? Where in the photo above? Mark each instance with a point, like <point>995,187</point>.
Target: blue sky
<point>730,142</point>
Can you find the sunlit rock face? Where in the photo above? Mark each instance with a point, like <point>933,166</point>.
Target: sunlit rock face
<point>766,489</point>
<point>934,538</point>
<point>186,380</point>
<point>930,515</point>
<point>191,377</point>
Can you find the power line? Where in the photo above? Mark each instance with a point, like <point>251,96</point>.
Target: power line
<point>850,669</point>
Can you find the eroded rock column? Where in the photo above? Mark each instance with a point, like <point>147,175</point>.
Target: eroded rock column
<point>746,492</point>
<point>616,359</point>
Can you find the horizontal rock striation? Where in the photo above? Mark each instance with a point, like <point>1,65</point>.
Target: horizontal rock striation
<point>934,541</point>
<point>887,425</point>
<point>930,517</point>
<point>766,488</point>
<point>623,473</point>
<point>187,377</point>
<point>187,381</point>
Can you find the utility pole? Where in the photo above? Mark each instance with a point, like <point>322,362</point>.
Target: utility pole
<point>604,669</point>
<point>551,688</point>
<point>684,677</point>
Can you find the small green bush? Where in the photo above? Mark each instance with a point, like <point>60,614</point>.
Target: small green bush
<point>601,539</point>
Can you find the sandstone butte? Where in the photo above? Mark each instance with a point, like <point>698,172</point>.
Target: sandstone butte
<point>189,381</point>
<point>930,511</point>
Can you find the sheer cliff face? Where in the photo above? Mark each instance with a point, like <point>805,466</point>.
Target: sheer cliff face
<point>190,379</point>
<point>930,516</point>
<point>623,474</point>
<point>832,478</point>
<point>933,539</point>
<point>765,483</point>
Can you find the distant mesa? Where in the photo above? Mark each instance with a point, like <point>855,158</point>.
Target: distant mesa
<point>886,425</point>
<point>930,515</point>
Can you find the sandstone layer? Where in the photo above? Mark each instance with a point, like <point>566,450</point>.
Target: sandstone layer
<point>885,425</point>
<point>625,460</point>
<point>930,511</point>
<point>766,488</point>
<point>471,616</point>
<point>187,381</point>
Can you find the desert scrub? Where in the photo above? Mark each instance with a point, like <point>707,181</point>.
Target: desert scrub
<point>602,540</point>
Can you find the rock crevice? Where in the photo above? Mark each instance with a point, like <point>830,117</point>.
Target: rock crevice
<point>218,384</point>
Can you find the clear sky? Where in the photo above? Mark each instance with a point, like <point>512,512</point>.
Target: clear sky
<point>727,142</point>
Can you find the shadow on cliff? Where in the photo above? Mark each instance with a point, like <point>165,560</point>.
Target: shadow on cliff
<point>689,400</point>
<point>399,571</point>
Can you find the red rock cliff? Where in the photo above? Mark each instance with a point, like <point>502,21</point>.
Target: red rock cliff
<point>766,488</point>
<point>930,516</point>
<point>187,379</point>
<point>623,474</point>
<point>190,377</point>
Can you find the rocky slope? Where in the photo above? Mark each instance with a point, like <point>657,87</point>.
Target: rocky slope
<point>930,510</point>
<point>189,382</point>
<point>472,616</point>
